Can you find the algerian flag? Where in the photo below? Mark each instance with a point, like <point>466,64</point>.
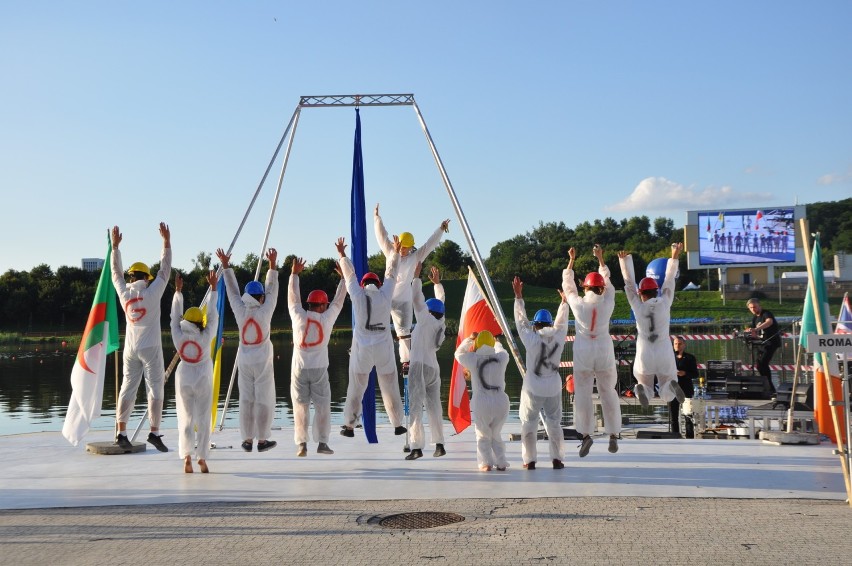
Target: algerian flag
<point>100,338</point>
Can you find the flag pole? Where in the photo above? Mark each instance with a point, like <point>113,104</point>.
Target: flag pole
<point>294,121</point>
<point>792,408</point>
<point>820,329</point>
<point>471,242</point>
<point>116,393</point>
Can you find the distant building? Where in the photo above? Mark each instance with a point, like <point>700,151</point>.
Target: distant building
<point>842,271</point>
<point>92,264</point>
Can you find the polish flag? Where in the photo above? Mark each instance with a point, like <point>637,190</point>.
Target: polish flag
<point>757,220</point>
<point>475,316</point>
<point>844,319</point>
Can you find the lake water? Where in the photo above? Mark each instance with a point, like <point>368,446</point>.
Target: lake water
<point>35,388</point>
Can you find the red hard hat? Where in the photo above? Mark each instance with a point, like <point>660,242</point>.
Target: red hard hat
<point>594,279</point>
<point>317,297</point>
<point>371,276</point>
<point>648,284</point>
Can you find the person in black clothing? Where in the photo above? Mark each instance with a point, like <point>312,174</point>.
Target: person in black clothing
<point>687,370</point>
<point>764,327</point>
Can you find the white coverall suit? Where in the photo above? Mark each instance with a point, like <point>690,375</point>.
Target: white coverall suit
<point>256,379</point>
<point>594,355</point>
<point>309,369</point>
<point>489,404</point>
<point>402,310</point>
<point>542,388</point>
<point>424,376</point>
<point>372,343</point>
<point>194,378</point>
<point>654,353</point>
<point>143,343</point>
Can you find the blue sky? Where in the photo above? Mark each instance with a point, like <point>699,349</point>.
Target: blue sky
<point>132,113</point>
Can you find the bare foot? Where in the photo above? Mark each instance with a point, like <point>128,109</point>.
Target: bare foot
<point>203,465</point>
<point>484,468</point>
<point>187,466</point>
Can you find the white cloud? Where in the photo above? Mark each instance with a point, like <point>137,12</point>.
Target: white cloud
<point>659,193</point>
<point>833,179</point>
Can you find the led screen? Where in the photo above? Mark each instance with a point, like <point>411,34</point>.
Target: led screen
<point>746,236</point>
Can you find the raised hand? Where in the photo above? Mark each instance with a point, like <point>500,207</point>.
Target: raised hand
<point>116,237</point>
<point>224,258</point>
<point>340,244</point>
<point>298,265</point>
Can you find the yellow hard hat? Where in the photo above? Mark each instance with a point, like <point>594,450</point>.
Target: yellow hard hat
<point>406,239</point>
<point>139,266</point>
<point>193,314</point>
<point>484,338</point>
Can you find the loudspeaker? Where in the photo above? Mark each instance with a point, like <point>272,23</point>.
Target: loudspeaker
<point>804,396</point>
<point>657,434</point>
<point>749,387</point>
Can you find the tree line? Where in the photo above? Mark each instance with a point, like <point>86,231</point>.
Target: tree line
<point>48,301</point>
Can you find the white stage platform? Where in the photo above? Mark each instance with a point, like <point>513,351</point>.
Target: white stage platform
<point>42,470</point>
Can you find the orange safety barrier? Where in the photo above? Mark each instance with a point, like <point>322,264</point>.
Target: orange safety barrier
<point>822,409</point>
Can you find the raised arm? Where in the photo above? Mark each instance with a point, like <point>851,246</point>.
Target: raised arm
<point>294,295</point>
<point>212,311</point>
<point>423,251</point>
<point>385,243</point>
<point>435,278</point>
<point>166,257</point>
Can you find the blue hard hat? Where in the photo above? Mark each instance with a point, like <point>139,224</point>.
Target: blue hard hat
<point>254,288</point>
<point>435,305</point>
<point>543,317</point>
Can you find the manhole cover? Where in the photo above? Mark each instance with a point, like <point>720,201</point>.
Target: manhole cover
<point>422,520</point>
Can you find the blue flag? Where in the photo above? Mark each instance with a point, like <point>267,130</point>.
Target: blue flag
<point>359,261</point>
<point>809,325</point>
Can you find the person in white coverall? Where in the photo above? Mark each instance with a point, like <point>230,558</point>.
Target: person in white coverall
<point>485,361</point>
<point>193,339</point>
<point>424,377</point>
<point>544,341</point>
<point>256,380</point>
<point>654,355</point>
<point>309,369</point>
<point>143,344</point>
<point>594,355</point>
<point>372,343</point>
<point>402,311</point>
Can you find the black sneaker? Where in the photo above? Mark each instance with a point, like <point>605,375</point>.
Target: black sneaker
<point>586,445</point>
<point>530,466</point>
<point>157,441</point>
<point>557,464</point>
<point>323,448</point>
<point>265,445</point>
<point>246,445</point>
<point>613,444</point>
<point>124,442</point>
<point>439,451</point>
<point>642,395</point>
<point>415,453</point>
<point>678,391</point>
<point>347,432</point>
<point>400,430</point>
<point>303,450</point>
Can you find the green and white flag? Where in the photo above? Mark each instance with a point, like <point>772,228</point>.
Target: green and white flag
<point>87,377</point>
